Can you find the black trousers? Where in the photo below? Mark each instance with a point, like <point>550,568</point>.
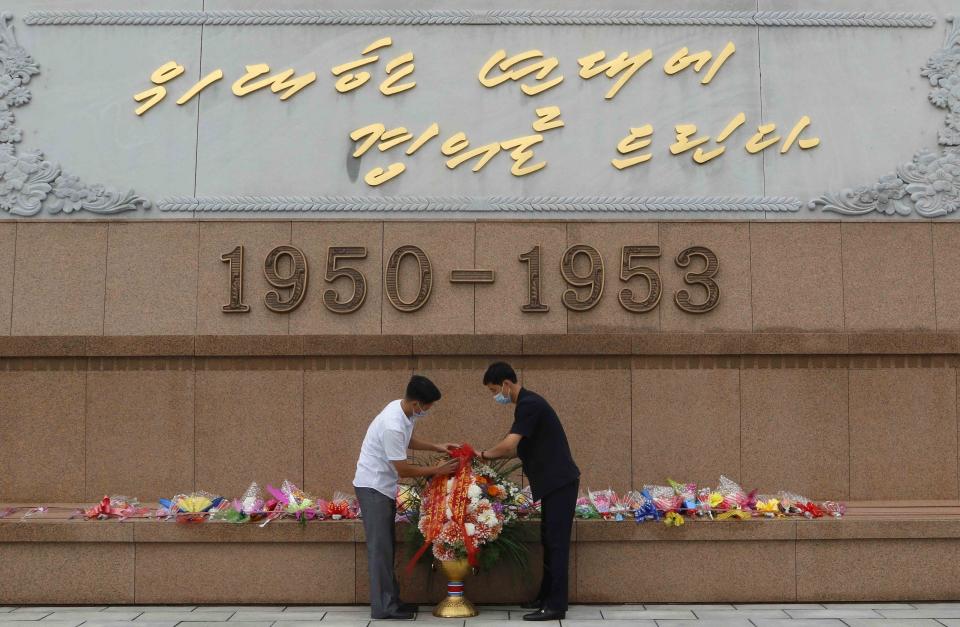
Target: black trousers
<point>556,523</point>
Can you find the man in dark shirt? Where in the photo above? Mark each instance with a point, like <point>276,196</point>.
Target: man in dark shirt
<point>538,439</point>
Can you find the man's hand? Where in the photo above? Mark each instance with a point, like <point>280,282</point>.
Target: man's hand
<point>505,448</point>
<point>446,468</point>
<point>446,447</point>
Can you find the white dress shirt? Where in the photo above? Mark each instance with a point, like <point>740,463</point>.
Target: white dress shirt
<point>386,441</point>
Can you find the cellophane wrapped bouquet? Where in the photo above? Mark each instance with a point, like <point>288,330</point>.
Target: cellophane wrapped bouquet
<point>248,508</point>
<point>191,507</point>
<point>116,506</point>
<point>343,507</point>
<point>408,503</point>
<point>674,503</point>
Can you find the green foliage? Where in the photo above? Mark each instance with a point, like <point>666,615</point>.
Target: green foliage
<point>509,547</point>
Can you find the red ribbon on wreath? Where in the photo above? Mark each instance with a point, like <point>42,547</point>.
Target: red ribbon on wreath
<point>436,511</point>
<point>460,499</point>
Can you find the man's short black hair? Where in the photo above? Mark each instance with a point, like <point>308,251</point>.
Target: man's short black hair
<point>498,372</point>
<point>422,389</point>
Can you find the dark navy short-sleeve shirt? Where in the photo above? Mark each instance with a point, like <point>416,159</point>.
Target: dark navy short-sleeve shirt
<point>544,450</point>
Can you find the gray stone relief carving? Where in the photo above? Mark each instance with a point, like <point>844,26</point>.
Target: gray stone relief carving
<point>30,183</point>
<point>929,185</point>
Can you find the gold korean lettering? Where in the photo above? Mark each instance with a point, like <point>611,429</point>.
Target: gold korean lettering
<point>682,59</point>
<point>702,157</point>
<point>521,153</point>
<point>795,133</point>
<point>163,74</point>
<point>404,66</point>
<point>684,143</point>
<point>758,142</point>
<point>200,85</point>
<point>277,83</point>
<point>541,69</point>
<point>636,140</point>
<point>347,79</point>
<point>590,66</point>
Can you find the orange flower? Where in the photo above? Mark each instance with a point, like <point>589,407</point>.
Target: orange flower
<point>494,491</point>
<point>481,480</point>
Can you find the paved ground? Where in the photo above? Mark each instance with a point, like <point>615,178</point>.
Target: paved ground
<point>713,615</point>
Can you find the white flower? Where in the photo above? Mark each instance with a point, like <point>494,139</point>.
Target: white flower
<point>488,518</point>
<point>471,528</point>
<point>449,514</point>
<point>474,491</point>
<point>449,485</point>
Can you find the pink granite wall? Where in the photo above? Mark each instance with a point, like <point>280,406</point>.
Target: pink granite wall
<point>830,366</point>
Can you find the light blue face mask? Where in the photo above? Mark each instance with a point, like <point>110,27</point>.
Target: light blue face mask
<point>420,414</point>
<point>502,398</point>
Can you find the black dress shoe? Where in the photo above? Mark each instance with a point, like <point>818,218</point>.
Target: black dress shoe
<point>545,614</point>
<point>398,615</point>
<point>536,604</point>
<point>409,607</point>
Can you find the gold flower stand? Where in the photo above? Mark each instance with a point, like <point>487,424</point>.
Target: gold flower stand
<point>455,605</point>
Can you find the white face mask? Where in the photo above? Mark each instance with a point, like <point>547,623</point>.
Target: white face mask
<point>503,399</point>
<point>420,414</point>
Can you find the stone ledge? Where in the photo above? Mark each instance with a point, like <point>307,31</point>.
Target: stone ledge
<point>276,531</point>
<point>571,344</point>
<point>628,531</point>
<point>39,530</point>
<point>925,529</point>
<point>880,520</point>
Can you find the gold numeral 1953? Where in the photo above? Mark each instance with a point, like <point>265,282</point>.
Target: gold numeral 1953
<point>586,288</point>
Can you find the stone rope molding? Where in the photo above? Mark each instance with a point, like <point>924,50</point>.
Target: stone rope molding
<point>930,183</point>
<point>492,204</point>
<point>30,183</point>
<point>442,17</point>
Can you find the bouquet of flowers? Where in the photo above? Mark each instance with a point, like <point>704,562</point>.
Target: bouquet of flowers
<point>835,509</point>
<point>768,506</point>
<point>471,514</point>
<point>604,501</point>
<point>343,507</point>
<point>665,498</point>
<point>622,506</point>
<point>292,501</point>
<point>643,507</point>
<point>734,497</point>
<point>192,507</point>
<point>585,509</point>
<point>687,493</point>
<point>525,505</point>
<point>245,509</point>
<point>121,507</point>
<point>728,501</point>
<point>408,502</point>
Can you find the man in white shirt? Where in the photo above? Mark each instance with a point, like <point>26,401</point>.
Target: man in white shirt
<point>383,460</point>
